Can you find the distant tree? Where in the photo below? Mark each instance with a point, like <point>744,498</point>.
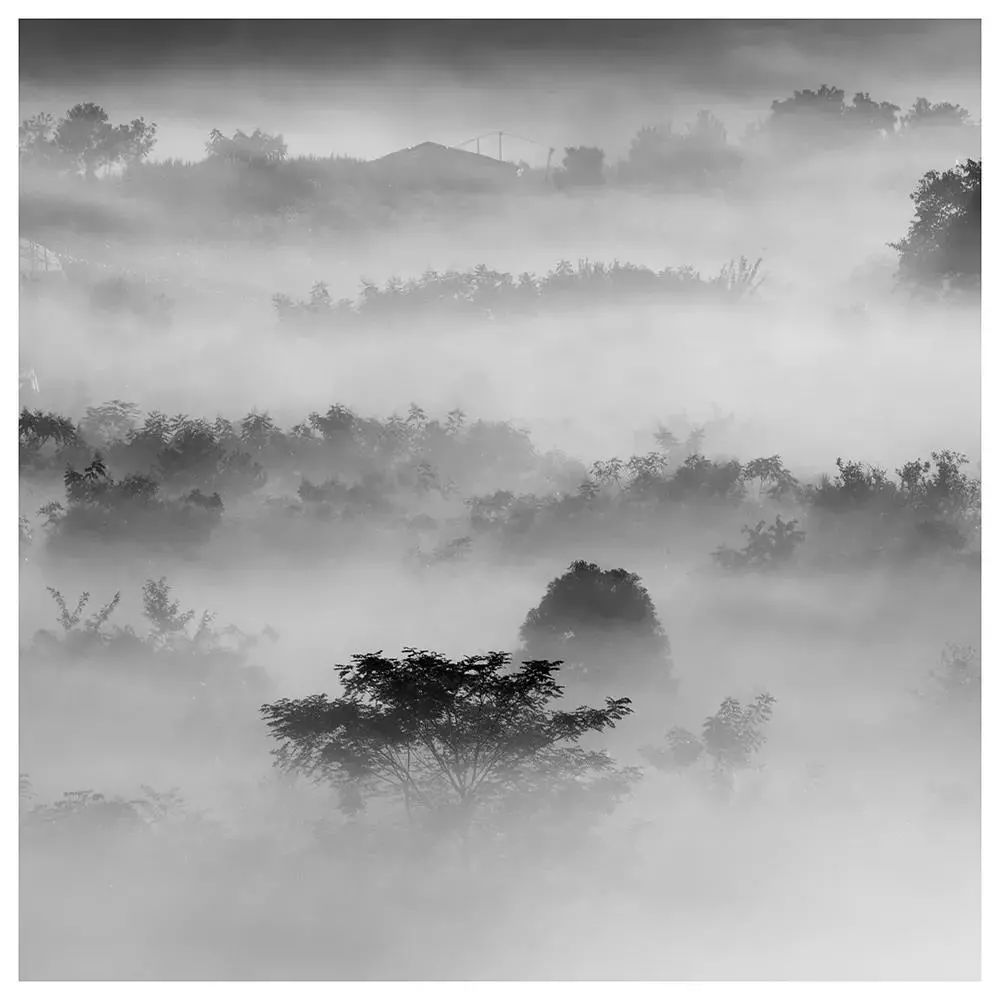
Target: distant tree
<point>84,140</point>
<point>767,547</point>
<point>690,159</point>
<point>729,739</point>
<point>449,738</point>
<point>944,243</point>
<point>600,623</point>
<point>813,116</point>
<point>924,115</point>
<point>583,166</point>
<point>865,115</point>
<point>110,423</point>
<point>257,149</point>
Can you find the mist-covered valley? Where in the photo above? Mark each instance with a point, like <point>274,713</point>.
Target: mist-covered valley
<point>440,571</point>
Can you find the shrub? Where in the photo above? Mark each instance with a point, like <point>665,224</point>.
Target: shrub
<point>99,508</point>
<point>766,548</point>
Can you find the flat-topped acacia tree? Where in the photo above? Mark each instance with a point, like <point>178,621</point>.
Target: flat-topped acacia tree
<point>447,737</point>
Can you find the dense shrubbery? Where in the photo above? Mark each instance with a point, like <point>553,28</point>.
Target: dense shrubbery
<point>485,293</point>
<point>766,548</point>
<point>471,483</point>
<point>170,652</point>
<point>99,508</point>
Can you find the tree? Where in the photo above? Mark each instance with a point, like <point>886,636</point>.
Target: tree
<point>592,619</point>
<point>691,158</point>
<point>257,149</point>
<point>448,738</point>
<point>865,115</point>
<point>811,116</point>
<point>729,739</point>
<point>84,140</point>
<point>583,166</point>
<point>944,243</point>
<point>924,115</point>
<point>765,549</point>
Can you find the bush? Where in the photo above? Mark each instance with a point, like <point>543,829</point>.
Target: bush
<point>98,508</point>
<point>766,548</point>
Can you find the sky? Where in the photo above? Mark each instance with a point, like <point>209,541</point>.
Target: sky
<point>364,88</point>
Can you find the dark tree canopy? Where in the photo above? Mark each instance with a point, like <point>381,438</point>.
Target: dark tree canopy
<point>595,620</point>
<point>944,241</point>
<point>84,140</point>
<point>448,737</point>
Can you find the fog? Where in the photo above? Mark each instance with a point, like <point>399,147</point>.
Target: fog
<point>831,836</point>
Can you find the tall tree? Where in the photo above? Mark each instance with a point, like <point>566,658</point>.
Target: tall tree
<point>448,738</point>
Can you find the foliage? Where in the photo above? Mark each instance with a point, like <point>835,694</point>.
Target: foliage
<point>452,739</point>
<point>256,149</point>
<point>36,429</point>
<point>766,548</point>
<point>924,114</point>
<point>582,166</point>
<point>730,739</point>
<point>86,813</point>
<point>822,119</point>
<point>695,159</point>
<point>100,507</point>
<point>944,243</point>
<point>769,477</point>
<point>84,141</point>
<point>488,294</point>
<point>600,623</point>
<point>169,650</point>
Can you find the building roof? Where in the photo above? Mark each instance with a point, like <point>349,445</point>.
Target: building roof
<point>430,161</point>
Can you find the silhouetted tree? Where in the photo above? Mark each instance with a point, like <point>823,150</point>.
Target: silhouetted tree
<point>449,738</point>
<point>944,241</point>
<point>598,622</point>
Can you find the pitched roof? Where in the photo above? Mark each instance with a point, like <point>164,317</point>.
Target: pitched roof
<point>430,159</point>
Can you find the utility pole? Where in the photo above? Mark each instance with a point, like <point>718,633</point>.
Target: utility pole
<point>477,146</point>
<point>500,141</point>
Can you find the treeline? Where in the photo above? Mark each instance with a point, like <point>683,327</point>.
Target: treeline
<point>168,481</point>
<point>485,293</point>
<point>250,176</point>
